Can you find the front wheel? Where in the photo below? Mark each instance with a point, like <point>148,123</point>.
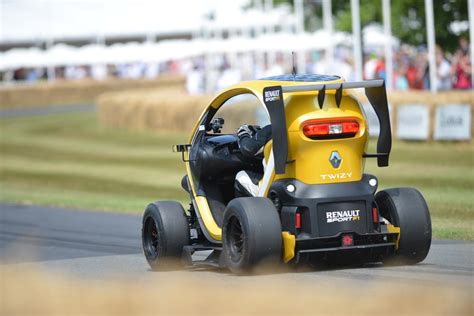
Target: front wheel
<point>251,234</point>
<point>165,232</point>
<point>406,208</point>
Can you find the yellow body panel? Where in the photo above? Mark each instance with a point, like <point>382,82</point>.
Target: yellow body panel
<point>310,158</point>
<point>203,209</point>
<point>394,229</point>
<point>266,156</point>
<point>289,244</point>
<point>213,229</point>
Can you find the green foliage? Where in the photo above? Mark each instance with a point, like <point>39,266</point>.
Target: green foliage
<point>408,18</point>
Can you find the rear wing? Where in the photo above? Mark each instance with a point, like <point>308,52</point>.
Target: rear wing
<point>375,92</point>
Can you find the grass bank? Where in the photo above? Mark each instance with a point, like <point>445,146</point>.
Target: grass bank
<point>69,160</point>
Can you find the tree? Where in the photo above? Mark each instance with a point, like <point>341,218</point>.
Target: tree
<point>408,18</point>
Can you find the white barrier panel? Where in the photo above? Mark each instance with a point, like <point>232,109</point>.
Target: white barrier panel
<point>413,122</point>
<point>372,120</point>
<point>453,122</point>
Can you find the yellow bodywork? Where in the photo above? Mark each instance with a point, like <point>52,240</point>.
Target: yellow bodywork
<point>394,229</point>
<point>289,243</point>
<point>303,151</point>
<point>309,159</point>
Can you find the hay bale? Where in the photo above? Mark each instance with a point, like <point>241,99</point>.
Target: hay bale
<point>167,109</point>
<point>172,109</point>
<point>69,92</point>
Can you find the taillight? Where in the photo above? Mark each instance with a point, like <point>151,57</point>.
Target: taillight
<point>375,216</point>
<point>298,221</point>
<point>329,128</point>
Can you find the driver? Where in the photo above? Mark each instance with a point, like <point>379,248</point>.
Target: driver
<point>252,141</point>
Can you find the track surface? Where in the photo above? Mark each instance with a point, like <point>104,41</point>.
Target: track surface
<point>101,245</point>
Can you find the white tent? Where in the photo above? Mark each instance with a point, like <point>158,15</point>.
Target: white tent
<point>93,54</point>
<point>22,57</point>
<point>374,37</point>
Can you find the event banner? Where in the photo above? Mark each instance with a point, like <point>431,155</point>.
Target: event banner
<point>413,122</point>
<point>453,122</point>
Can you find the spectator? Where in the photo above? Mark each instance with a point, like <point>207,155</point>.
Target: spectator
<point>461,72</point>
<point>400,79</point>
<point>443,70</point>
<point>380,69</point>
<point>412,75</point>
<point>370,66</point>
<point>464,45</point>
<point>461,66</point>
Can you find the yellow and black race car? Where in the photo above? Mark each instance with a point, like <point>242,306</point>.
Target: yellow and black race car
<point>310,199</point>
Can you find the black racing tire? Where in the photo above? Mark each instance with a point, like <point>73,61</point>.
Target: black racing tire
<point>406,208</point>
<point>165,232</point>
<point>251,234</point>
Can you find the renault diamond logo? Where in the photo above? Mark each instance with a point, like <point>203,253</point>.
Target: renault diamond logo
<point>335,159</point>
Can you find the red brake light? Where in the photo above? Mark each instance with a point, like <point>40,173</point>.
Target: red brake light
<point>375,217</point>
<point>330,128</point>
<point>298,221</point>
<point>316,129</point>
<point>350,127</point>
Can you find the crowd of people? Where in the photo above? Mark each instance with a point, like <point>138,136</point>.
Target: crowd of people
<point>411,68</point>
<point>211,73</point>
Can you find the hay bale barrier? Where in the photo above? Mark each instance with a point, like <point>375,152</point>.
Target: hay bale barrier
<point>166,109</point>
<point>431,99</point>
<point>170,108</point>
<point>74,92</point>
<point>163,109</point>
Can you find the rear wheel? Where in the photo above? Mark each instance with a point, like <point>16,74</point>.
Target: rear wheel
<point>406,208</point>
<point>165,232</point>
<point>251,234</point>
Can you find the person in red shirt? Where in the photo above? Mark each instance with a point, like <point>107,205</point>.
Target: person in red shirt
<point>461,71</point>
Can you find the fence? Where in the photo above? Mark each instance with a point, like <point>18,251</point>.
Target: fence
<point>420,115</point>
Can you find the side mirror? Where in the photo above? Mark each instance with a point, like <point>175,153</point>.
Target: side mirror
<point>182,148</point>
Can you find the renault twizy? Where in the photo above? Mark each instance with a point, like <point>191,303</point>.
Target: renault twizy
<point>314,201</point>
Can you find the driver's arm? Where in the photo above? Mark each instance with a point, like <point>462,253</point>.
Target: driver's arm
<point>252,140</point>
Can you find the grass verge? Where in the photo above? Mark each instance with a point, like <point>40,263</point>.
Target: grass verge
<point>69,160</point>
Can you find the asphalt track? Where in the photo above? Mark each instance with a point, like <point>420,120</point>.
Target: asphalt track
<point>100,245</point>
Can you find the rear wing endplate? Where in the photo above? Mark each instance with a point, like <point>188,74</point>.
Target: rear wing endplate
<point>375,92</point>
